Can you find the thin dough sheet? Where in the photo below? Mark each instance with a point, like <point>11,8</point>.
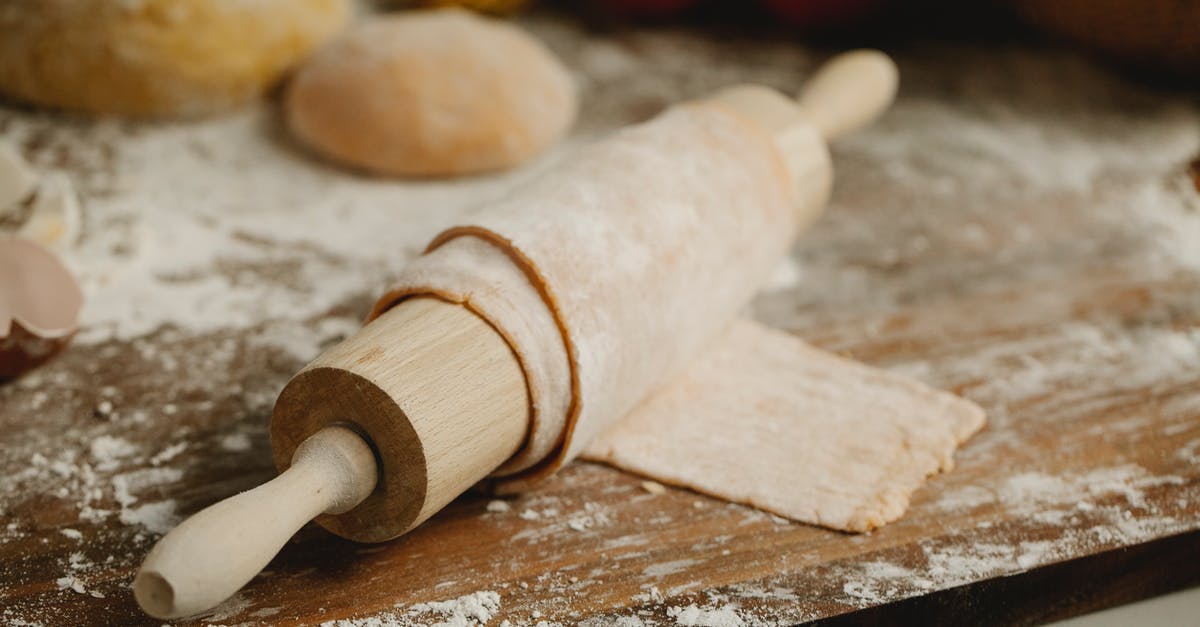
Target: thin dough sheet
<point>764,419</point>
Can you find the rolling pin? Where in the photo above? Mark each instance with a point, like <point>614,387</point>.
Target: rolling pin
<point>429,398</point>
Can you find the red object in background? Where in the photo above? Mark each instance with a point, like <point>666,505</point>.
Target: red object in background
<point>821,13</point>
<point>646,8</point>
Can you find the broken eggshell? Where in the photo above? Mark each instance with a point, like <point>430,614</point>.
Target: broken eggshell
<point>40,302</point>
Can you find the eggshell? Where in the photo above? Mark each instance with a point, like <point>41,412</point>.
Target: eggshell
<point>40,301</point>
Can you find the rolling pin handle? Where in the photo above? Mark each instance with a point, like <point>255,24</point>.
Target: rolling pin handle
<point>849,92</point>
<point>211,555</point>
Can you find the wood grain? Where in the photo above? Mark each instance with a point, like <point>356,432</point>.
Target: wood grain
<point>439,395</point>
<point>1020,229</point>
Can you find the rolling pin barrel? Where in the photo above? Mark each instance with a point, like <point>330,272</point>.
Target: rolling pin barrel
<point>434,389</point>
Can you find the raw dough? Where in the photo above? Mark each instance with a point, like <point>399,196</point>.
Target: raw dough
<point>762,409</point>
<point>689,259</point>
<point>432,93</point>
<point>156,57</point>
<point>615,278</point>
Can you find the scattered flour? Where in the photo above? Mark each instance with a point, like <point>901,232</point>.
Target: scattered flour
<point>475,608</point>
<point>469,610</point>
<point>157,517</point>
<point>693,616</point>
<point>235,442</point>
<point>212,224</point>
<point>593,516</point>
<point>229,608</point>
<point>108,451</point>
<point>168,453</point>
<point>669,568</point>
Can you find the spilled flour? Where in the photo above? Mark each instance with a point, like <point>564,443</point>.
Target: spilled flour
<point>1062,517</point>
<point>215,225</point>
<point>469,610</point>
<point>693,616</point>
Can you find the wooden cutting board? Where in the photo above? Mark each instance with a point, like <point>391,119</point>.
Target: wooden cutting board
<point>1022,229</point>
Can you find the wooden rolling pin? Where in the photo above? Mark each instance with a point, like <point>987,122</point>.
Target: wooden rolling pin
<point>382,431</point>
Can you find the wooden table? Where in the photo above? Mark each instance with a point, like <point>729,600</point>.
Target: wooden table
<point>1022,229</point>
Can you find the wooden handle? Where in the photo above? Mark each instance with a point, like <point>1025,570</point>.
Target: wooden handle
<point>214,553</point>
<point>845,94</point>
<point>372,438</point>
<point>849,92</point>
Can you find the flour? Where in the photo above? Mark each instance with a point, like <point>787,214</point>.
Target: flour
<point>168,453</point>
<point>693,616</point>
<point>229,608</point>
<point>108,451</point>
<point>469,610</point>
<point>1065,516</point>
<point>475,608</point>
<point>70,583</point>
<point>157,517</point>
<point>592,517</point>
<point>235,442</point>
<point>214,224</point>
<point>669,568</point>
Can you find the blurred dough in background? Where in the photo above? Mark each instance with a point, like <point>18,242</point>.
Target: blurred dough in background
<point>432,93</point>
<point>156,58</point>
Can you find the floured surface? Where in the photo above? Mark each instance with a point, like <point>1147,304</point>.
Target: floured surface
<point>766,420</point>
<point>1029,244</point>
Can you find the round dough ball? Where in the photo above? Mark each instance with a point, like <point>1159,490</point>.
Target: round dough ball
<point>432,93</point>
<point>156,57</point>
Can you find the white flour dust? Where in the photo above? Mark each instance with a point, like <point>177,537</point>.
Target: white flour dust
<point>1062,515</point>
<point>469,610</point>
<point>219,224</point>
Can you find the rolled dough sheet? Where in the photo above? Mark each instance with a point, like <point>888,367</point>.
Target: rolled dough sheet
<point>644,246</point>
<point>613,274</point>
<point>764,419</point>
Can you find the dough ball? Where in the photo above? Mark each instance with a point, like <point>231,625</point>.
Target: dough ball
<point>156,57</point>
<point>432,93</point>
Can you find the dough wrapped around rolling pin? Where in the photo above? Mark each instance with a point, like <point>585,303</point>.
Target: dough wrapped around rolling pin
<point>619,272</point>
<point>595,312</point>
